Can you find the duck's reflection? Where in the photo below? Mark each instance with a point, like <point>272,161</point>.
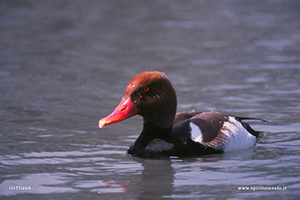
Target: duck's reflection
<point>155,182</point>
<point>164,178</point>
<point>159,176</point>
<point>157,179</point>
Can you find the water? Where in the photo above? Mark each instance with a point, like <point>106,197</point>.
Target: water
<point>66,64</point>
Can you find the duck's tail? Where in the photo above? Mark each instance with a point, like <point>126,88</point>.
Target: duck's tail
<point>248,127</point>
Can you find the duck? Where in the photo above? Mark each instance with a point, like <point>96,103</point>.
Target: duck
<point>166,133</point>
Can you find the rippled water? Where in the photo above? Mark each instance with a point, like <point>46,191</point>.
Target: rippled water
<point>66,64</point>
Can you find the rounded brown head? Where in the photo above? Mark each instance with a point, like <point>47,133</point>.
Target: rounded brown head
<point>149,94</point>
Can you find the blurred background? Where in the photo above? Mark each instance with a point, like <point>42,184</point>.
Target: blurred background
<point>66,64</point>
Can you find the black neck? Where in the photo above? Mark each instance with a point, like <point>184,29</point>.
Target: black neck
<point>149,133</point>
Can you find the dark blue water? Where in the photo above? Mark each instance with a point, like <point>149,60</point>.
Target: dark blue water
<point>65,64</point>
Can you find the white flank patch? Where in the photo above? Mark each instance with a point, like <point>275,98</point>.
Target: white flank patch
<point>238,136</point>
<point>196,133</point>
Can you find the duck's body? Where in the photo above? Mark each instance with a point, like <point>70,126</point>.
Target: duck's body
<point>194,134</point>
<point>165,133</point>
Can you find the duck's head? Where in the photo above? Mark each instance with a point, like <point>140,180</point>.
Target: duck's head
<point>149,94</point>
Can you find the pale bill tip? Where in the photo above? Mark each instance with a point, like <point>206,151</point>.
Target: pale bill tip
<point>101,123</point>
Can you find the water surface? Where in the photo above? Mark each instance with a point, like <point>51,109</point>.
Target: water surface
<point>66,64</point>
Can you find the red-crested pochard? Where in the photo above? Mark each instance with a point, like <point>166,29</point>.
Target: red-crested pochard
<point>165,133</point>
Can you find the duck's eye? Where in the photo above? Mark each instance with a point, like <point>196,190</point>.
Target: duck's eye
<point>146,89</point>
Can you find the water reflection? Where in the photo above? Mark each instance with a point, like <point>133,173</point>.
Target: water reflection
<point>43,183</point>
<point>108,187</point>
<point>110,172</point>
<point>64,64</point>
<point>157,179</point>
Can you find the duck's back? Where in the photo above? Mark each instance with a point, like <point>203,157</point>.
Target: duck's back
<point>214,130</point>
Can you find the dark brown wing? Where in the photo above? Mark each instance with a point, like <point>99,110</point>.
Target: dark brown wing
<point>183,116</point>
<point>209,123</point>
